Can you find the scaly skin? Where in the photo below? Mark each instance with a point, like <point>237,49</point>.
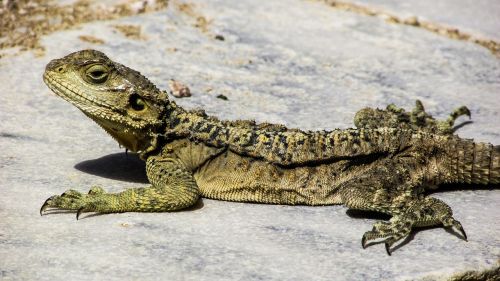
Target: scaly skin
<point>384,165</point>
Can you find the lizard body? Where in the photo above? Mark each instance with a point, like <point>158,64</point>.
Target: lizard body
<point>383,165</point>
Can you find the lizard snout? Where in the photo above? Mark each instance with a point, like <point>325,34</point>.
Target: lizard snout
<point>56,65</point>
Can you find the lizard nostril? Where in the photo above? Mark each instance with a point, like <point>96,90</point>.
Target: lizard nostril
<point>55,65</point>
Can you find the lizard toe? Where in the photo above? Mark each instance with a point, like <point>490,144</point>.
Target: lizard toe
<point>70,200</point>
<point>450,222</point>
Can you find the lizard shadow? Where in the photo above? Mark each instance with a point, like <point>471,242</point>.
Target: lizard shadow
<point>461,187</point>
<point>362,214</point>
<point>117,166</point>
<point>465,123</point>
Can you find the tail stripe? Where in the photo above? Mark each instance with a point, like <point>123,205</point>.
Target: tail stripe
<point>495,165</point>
<point>481,172</point>
<point>465,156</point>
<point>474,162</point>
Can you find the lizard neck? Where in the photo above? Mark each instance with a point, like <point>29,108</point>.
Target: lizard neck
<point>195,125</point>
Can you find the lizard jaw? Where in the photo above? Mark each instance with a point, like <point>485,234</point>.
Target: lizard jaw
<point>101,113</point>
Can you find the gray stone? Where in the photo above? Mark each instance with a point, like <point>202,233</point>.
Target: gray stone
<point>477,17</point>
<point>300,63</point>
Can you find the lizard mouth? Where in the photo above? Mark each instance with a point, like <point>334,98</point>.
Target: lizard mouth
<point>72,96</point>
<point>100,112</point>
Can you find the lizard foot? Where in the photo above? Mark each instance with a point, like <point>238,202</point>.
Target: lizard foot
<point>417,119</point>
<point>427,212</point>
<point>424,120</point>
<point>75,200</point>
<point>447,126</point>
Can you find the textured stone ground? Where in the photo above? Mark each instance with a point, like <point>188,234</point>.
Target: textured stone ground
<point>300,63</point>
<point>477,17</point>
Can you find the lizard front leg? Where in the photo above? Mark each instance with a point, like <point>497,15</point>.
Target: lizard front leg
<point>172,188</point>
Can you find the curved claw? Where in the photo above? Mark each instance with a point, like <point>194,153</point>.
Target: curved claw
<point>467,112</point>
<point>79,212</point>
<point>363,241</point>
<point>463,110</point>
<point>387,248</point>
<point>461,229</point>
<point>451,223</point>
<point>463,233</point>
<point>45,205</point>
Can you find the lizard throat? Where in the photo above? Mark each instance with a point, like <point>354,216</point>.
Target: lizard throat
<point>135,140</point>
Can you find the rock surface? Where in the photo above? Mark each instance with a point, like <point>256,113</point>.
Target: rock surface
<point>478,17</point>
<point>300,63</point>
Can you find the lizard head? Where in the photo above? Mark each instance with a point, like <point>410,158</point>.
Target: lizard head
<point>122,101</point>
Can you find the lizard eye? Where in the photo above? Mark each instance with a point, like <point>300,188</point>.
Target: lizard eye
<point>97,74</point>
<point>137,103</point>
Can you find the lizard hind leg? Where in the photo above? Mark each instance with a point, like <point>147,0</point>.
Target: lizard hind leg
<point>417,119</point>
<point>425,212</point>
<point>425,121</point>
<point>391,186</point>
<point>448,125</point>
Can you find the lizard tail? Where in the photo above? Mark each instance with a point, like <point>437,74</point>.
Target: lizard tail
<point>475,163</point>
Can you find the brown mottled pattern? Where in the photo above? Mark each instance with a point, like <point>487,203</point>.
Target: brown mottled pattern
<point>385,165</point>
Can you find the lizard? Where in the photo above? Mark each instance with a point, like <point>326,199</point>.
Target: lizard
<point>386,164</point>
